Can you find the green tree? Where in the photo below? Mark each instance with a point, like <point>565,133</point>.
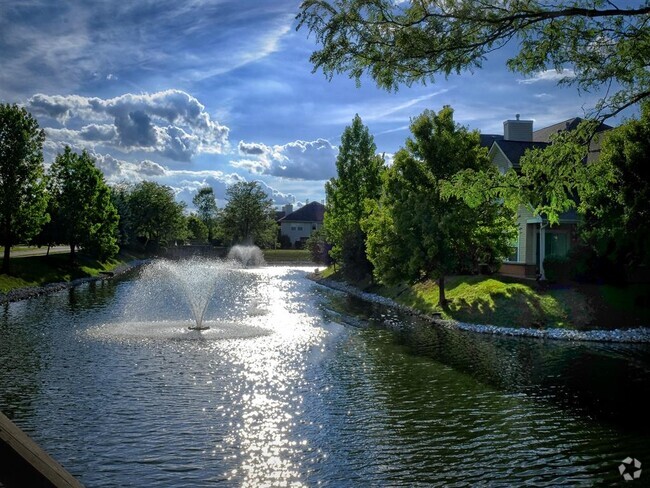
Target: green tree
<point>249,216</point>
<point>318,247</point>
<point>416,233</point>
<point>197,230</point>
<point>615,196</point>
<point>358,178</point>
<point>82,205</point>
<point>600,43</point>
<point>23,200</point>
<point>206,206</point>
<point>156,219</point>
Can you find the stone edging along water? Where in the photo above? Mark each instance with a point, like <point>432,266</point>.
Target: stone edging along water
<point>34,291</point>
<point>637,335</point>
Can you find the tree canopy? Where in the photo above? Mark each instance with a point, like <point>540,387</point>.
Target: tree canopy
<point>207,210</point>
<point>82,206</point>
<point>23,200</point>
<point>249,216</point>
<point>615,199</point>
<point>156,219</point>
<point>358,178</point>
<point>600,43</point>
<point>413,231</point>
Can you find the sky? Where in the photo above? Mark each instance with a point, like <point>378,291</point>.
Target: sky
<point>212,92</point>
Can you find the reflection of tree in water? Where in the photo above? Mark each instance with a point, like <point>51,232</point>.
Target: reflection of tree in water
<point>602,380</point>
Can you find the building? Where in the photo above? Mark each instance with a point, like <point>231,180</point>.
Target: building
<point>536,238</point>
<point>299,224</point>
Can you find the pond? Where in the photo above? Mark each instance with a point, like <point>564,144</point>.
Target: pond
<point>299,385</point>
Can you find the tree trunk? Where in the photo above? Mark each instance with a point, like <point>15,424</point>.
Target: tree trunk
<point>7,243</point>
<point>442,299</point>
<point>72,249</point>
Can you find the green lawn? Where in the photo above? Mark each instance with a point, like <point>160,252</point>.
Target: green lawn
<point>287,256</point>
<point>40,270</point>
<point>497,300</point>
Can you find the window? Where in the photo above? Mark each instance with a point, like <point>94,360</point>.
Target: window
<point>557,244</point>
<point>293,227</point>
<point>513,257</point>
<point>300,227</point>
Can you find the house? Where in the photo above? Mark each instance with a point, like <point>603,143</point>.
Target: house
<point>299,224</point>
<point>536,238</point>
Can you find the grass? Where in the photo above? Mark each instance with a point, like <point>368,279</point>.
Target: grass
<point>501,301</point>
<point>40,270</point>
<point>287,256</point>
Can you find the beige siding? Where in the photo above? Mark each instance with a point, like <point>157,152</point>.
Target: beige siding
<point>526,240</point>
<point>500,160</point>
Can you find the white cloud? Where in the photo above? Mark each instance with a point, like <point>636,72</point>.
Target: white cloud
<point>171,123</point>
<point>549,75</point>
<point>303,160</point>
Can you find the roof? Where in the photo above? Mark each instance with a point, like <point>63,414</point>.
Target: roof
<point>545,134</point>
<point>514,150</point>
<point>488,139</point>
<point>312,212</point>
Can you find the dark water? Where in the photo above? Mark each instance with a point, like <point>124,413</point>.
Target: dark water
<point>336,393</point>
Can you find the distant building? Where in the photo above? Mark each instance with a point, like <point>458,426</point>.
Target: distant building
<point>536,238</point>
<point>299,224</point>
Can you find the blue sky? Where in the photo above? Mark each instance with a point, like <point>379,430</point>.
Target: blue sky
<point>217,91</point>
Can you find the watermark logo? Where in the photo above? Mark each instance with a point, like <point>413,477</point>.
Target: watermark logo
<point>630,469</point>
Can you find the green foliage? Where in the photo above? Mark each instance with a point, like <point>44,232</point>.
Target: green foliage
<point>249,216</point>
<point>414,232</point>
<point>358,179</point>
<point>206,206</point>
<point>318,247</point>
<point>82,207</point>
<point>23,200</point>
<point>155,218</point>
<point>556,268</point>
<point>197,230</point>
<point>410,42</point>
<point>616,200</point>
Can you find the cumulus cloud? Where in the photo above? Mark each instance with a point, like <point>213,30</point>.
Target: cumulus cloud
<point>171,123</point>
<point>549,75</point>
<point>185,183</point>
<point>304,160</point>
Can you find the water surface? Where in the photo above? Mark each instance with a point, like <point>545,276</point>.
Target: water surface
<point>321,389</point>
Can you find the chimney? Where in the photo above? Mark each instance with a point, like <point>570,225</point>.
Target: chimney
<point>518,130</point>
<point>287,209</point>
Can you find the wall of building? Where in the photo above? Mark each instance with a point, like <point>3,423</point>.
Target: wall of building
<point>298,230</point>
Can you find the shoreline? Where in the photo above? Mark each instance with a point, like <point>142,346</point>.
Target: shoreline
<point>638,335</point>
<point>26,293</point>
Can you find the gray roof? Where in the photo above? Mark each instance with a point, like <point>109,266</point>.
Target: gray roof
<point>488,139</point>
<point>312,212</point>
<point>545,134</point>
<point>514,150</point>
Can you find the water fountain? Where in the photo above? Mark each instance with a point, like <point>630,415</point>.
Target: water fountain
<point>194,298</point>
<point>247,255</point>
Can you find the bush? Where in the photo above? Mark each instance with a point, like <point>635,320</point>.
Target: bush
<point>285,242</point>
<point>556,268</point>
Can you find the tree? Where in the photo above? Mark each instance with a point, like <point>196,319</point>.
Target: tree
<point>156,219</point>
<point>23,199</point>
<point>358,178</point>
<point>598,42</point>
<point>318,247</point>
<point>82,205</point>
<point>206,206</point>
<point>414,233</point>
<point>615,199</point>
<point>249,216</point>
<point>196,228</point>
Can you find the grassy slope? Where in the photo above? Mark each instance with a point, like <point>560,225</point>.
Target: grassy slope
<point>287,255</point>
<point>39,270</point>
<point>500,301</point>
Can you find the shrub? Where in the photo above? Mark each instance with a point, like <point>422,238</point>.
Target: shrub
<point>556,268</point>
